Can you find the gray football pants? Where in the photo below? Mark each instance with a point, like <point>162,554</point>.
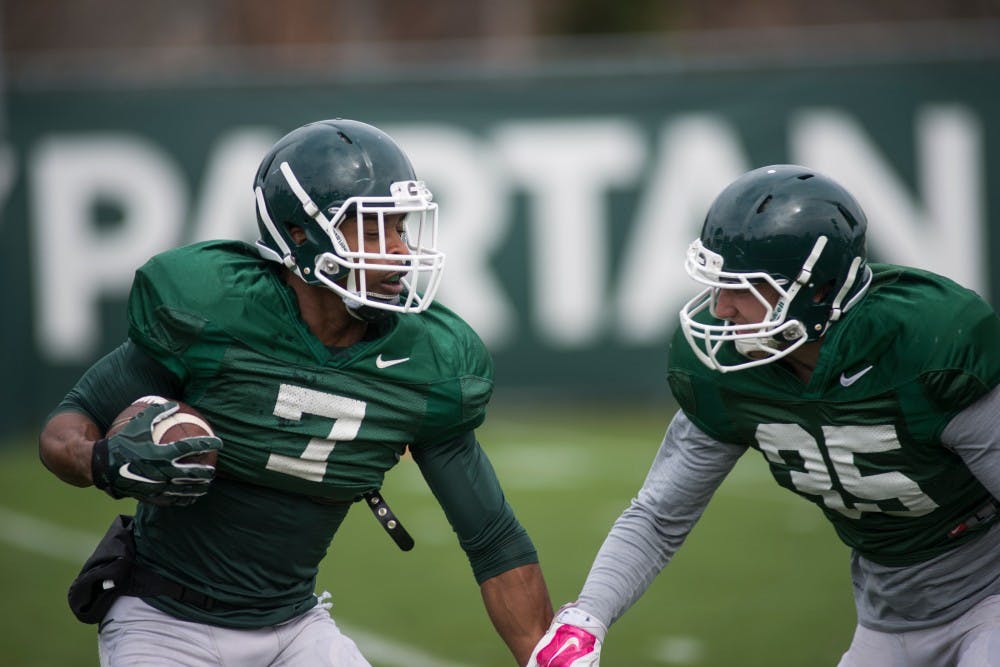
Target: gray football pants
<point>971,640</point>
<point>133,633</point>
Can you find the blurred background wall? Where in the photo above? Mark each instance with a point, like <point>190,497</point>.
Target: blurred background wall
<point>574,146</point>
<point>162,40</point>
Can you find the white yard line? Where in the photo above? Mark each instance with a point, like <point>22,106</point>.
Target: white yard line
<point>53,541</point>
<point>384,652</point>
<point>44,538</point>
<point>679,651</point>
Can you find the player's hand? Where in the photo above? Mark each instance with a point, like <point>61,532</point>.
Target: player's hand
<point>130,463</point>
<point>573,640</point>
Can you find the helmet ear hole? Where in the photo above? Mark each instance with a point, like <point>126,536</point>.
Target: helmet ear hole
<point>296,233</point>
<point>823,291</point>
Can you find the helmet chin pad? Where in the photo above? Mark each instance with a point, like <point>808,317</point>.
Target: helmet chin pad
<point>365,312</point>
<point>366,306</point>
<point>757,348</point>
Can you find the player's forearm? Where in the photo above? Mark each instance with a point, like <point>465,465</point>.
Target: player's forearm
<point>519,606</point>
<point>66,446</point>
<point>686,471</point>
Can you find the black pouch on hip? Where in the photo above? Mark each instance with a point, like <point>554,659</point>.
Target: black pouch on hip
<point>106,575</point>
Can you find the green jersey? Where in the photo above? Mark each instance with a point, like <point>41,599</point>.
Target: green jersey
<point>862,438</point>
<point>306,429</point>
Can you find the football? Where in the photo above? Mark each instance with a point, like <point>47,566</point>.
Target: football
<point>185,423</point>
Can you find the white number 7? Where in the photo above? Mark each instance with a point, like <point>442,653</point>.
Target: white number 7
<point>292,403</point>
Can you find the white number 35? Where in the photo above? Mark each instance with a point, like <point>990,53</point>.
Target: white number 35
<point>842,444</point>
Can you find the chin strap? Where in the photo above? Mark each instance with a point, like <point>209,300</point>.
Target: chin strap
<point>285,256</point>
<point>747,347</point>
<point>837,311</point>
<point>376,503</point>
<point>365,313</point>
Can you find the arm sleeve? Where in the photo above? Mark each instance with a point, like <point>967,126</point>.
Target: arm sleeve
<point>687,470</point>
<point>464,483</point>
<point>974,434</point>
<point>123,375</point>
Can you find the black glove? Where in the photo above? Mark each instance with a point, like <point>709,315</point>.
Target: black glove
<point>130,463</point>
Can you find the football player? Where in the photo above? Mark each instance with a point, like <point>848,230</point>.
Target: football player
<point>872,392</point>
<point>319,357</point>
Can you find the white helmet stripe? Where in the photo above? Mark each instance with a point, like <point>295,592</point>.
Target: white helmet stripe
<point>286,252</point>
<point>811,260</point>
<point>312,210</point>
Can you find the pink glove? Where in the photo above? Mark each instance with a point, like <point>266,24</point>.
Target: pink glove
<point>573,640</point>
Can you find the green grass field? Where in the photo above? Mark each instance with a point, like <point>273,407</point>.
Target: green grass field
<point>762,581</point>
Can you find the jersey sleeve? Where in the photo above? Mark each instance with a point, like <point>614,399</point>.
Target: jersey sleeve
<point>187,305</point>
<point>947,357</point>
<point>698,397</point>
<point>465,484</point>
<point>457,400</point>
<point>964,366</point>
<point>160,319</point>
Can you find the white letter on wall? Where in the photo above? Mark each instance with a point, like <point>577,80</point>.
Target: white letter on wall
<point>226,202</point>
<point>699,155</point>
<point>75,261</point>
<point>568,168</point>
<point>472,196</point>
<point>947,236</point>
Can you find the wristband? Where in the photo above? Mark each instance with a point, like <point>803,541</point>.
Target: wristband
<point>99,468</point>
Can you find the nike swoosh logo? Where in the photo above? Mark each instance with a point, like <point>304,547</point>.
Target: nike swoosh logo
<point>848,380</point>
<point>570,644</point>
<point>385,363</point>
<point>128,474</point>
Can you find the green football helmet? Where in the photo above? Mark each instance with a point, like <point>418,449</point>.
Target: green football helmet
<point>318,176</point>
<point>793,229</point>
